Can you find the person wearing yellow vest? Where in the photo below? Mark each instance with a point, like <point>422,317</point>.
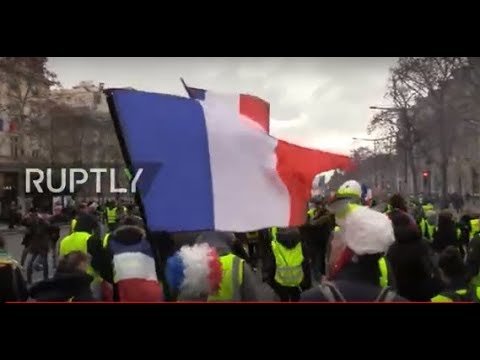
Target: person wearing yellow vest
<point>316,234</point>
<point>252,239</point>
<point>256,241</point>
<point>428,225</point>
<point>473,260</point>
<point>428,207</point>
<point>457,288</point>
<point>474,226</point>
<point>239,283</point>
<point>359,270</point>
<point>111,215</point>
<point>82,209</point>
<point>287,268</point>
<point>446,234</point>
<point>82,240</point>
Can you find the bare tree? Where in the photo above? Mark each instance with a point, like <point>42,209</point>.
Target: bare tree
<point>399,125</point>
<point>428,77</point>
<point>27,87</point>
<point>68,131</point>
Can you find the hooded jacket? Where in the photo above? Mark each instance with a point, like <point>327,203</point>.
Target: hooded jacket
<point>252,289</point>
<point>128,263</point>
<point>410,258</point>
<point>446,234</point>
<point>72,287</point>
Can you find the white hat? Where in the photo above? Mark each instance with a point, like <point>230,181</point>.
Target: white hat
<point>366,231</point>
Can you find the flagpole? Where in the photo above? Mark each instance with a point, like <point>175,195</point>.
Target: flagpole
<point>186,88</point>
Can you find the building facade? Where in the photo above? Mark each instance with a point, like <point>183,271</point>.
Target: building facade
<point>18,145</point>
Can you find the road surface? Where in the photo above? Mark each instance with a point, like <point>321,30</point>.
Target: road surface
<point>15,248</point>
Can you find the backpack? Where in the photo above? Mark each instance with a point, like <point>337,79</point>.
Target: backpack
<point>331,292</point>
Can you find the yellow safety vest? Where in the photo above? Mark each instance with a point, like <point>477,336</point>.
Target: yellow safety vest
<point>427,228</point>
<point>476,281</point>
<point>273,233</point>
<point>77,241</point>
<point>111,215</point>
<point>289,270</point>
<point>72,225</point>
<point>348,209</point>
<point>232,279</point>
<point>445,298</point>
<point>105,240</point>
<point>428,207</point>
<point>311,214</point>
<point>475,225</point>
<point>382,266</point>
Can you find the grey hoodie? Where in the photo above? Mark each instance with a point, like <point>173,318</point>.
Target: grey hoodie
<point>252,289</point>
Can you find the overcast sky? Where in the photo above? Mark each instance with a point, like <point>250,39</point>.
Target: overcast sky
<point>315,102</point>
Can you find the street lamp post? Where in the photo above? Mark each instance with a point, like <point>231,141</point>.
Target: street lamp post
<point>375,150</point>
<point>402,112</point>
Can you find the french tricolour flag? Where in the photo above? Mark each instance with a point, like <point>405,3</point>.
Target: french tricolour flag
<point>7,125</point>
<point>249,107</point>
<point>135,273</point>
<point>216,169</point>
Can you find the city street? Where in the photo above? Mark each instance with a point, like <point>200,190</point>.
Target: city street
<point>15,248</point>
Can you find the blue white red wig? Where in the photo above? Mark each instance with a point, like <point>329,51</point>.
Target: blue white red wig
<point>194,272</point>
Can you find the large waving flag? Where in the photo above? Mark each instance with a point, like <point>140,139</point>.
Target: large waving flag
<point>215,170</point>
<point>250,107</point>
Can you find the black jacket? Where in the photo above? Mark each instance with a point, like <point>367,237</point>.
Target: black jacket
<point>316,236</point>
<point>64,287</point>
<point>446,235</point>
<point>458,283</point>
<point>411,260</point>
<point>12,284</point>
<point>357,281</point>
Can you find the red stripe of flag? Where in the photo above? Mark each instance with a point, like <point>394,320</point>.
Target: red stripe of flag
<point>256,109</point>
<point>297,166</point>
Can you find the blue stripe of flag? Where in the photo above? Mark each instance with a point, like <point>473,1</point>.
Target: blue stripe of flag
<point>169,130</point>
